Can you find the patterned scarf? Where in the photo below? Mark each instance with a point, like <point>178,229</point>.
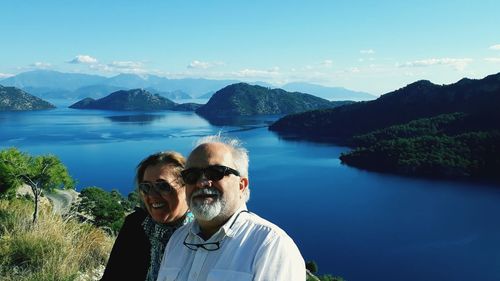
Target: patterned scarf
<point>158,235</point>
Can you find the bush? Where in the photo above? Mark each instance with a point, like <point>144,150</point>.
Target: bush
<point>104,207</point>
<point>53,249</point>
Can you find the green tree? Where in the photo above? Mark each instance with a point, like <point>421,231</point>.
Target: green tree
<point>103,206</point>
<point>45,172</point>
<point>312,266</point>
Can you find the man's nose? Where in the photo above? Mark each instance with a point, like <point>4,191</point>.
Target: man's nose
<point>203,182</point>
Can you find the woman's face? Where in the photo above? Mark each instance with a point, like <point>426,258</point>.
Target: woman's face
<point>164,207</point>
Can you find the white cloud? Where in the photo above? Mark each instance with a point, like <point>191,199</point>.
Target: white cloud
<point>126,64</point>
<point>5,75</point>
<point>257,73</point>
<point>367,52</point>
<point>83,59</point>
<point>458,64</point>
<point>327,63</point>
<point>495,47</point>
<point>495,60</point>
<point>196,64</point>
<point>41,65</point>
<point>354,70</point>
<point>120,67</point>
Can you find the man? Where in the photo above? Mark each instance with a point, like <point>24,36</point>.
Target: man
<point>226,242</point>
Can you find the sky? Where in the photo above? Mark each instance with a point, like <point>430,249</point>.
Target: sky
<point>375,46</point>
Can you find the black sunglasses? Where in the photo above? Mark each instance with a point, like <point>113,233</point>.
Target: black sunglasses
<point>159,186</point>
<point>212,172</point>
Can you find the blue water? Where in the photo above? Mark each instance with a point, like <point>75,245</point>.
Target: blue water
<point>356,224</point>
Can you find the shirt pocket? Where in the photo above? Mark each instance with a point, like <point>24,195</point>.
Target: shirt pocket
<point>168,274</point>
<point>228,275</point>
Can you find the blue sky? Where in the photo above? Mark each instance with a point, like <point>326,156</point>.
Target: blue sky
<point>374,46</point>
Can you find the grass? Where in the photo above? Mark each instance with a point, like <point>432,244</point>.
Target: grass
<point>54,249</point>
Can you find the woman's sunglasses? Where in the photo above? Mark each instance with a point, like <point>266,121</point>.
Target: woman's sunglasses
<point>213,173</point>
<point>161,186</point>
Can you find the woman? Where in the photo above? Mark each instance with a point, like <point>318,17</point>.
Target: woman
<point>146,231</point>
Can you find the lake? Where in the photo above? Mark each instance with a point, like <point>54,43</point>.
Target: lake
<point>356,224</point>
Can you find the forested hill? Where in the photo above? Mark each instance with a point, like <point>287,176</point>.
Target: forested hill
<point>129,100</point>
<point>14,99</point>
<point>242,99</point>
<point>423,129</point>
<point>421,99</point>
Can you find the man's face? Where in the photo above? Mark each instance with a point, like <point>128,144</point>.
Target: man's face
<point>214,199</point>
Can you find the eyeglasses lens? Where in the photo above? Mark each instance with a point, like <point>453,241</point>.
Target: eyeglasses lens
<point>213,173</point>
<point>159,186</point>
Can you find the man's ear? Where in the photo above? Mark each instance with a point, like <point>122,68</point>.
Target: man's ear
<point>243,183</point>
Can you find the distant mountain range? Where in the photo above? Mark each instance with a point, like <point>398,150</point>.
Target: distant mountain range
<point>329,93</point>
<point>133,100</point>
<point>242,99</point>
<point>174,95</point>
<point>53,84</point>
<point>14,99</point>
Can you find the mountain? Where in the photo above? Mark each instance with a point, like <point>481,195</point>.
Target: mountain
<point>257,83</point>
<point>52,80</point>
<point>132,100</point>
<point>421,99</point>
<point>242,99</point>
<point>49,93</point>
<point>56,85</point>
<point>96,91</point>
<point>191,86</point>
<point>207,95</point>
<point>174,95</point>
<point>454,145</point>
<point>14,99</point>
<point>329,93</point>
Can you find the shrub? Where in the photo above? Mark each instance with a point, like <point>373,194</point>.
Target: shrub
<point>53,249</point>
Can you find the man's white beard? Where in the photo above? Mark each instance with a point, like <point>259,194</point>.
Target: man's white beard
<point>203,210</point>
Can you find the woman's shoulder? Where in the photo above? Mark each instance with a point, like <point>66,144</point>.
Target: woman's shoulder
<point>136,217</point>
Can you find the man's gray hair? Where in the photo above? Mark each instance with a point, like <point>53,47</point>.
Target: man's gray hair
<point>238,153</point>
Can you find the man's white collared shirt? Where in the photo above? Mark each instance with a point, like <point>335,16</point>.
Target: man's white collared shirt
<point>251,248</point>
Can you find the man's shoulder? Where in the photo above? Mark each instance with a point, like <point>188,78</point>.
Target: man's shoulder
<point>257,224</point>
<point>183,230</point>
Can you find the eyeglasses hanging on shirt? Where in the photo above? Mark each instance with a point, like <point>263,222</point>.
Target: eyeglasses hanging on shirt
<point>209,246</point>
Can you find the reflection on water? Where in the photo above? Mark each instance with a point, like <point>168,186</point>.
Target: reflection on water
<point>260,121</point>
<point>141,119</point>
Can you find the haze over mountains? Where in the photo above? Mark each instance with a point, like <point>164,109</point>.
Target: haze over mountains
<point>53,85</point>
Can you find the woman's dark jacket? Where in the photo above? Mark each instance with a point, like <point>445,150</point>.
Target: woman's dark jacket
<point>130,256</point>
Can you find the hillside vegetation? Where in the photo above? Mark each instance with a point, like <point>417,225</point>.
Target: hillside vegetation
<point>242,99</point>
<point>56,248</point>
<point>14,99</point>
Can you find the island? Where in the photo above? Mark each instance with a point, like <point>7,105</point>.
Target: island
<point>242,99</point>
<point>15,99</point>
<point>133,100</point>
